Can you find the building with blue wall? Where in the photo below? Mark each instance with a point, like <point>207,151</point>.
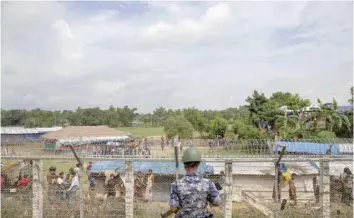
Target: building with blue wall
<point>9,134</point>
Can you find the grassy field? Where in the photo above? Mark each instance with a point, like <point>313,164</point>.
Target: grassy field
<point>144,131</point>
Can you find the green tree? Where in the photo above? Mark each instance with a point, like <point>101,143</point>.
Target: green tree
<point>159,116</point>
<point>256,106</point>
<point>192,115</point>
<point>178,125</point>
<point>12,117</point>
<point>112,117</point>
<point>334,120</point>
<point>30,122</point>
<point>218,127</point>
<point>351,100</point>
<point>287,125</point>
<point>126,115</point>
<point>294,102</point>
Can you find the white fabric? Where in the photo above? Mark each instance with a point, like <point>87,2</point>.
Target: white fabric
<point>150,182</point>
<point>76,170</point>
<point>74,183</point>
<point>60,181</point>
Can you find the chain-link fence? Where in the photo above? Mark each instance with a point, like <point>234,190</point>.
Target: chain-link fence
<point>152,148</point>
<point>58,186</point>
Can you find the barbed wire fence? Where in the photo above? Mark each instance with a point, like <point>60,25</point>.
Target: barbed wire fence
<point>223,148</point>
<point>124,182</point>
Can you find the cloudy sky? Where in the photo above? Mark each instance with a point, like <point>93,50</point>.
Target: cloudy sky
<point>60,55</point>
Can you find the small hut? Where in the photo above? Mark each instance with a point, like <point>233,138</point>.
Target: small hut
<point>85,138</point>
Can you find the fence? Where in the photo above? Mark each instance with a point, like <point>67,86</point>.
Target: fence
<point>248,187</point>
<point>121,185</point>
<point>220,148</point>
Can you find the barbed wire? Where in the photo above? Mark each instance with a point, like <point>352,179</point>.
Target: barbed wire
<point>244,148</point>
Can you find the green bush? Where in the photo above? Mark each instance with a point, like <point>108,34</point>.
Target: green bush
<point>245,131</point>
<point>325,135</point>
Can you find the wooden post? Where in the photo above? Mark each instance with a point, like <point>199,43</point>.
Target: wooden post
<point>82,203</point>
<point>129,185</point>
<point>325,189</point>
<point>37,203</point>
<point>276,172</point>
<point>228,189</point>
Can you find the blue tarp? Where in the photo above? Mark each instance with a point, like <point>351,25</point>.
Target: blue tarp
<point>307,148</point>
<point>144,166</point>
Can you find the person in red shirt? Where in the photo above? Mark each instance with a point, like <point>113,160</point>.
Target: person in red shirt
<point>24,182</point>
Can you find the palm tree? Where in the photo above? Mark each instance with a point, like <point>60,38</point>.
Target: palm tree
<point>288,125</point>
<point>333,119</point>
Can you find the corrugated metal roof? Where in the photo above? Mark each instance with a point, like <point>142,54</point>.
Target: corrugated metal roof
<point>48,129</point>
<point>18,130</point>
<point>22,130</point>
<point>85,140</point>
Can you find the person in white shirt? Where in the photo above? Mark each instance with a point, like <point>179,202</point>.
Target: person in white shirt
<point>75,185</point>
<point>60,185</point>
<point>60,178</point>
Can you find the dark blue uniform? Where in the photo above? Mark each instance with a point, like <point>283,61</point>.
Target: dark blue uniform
<point>191,194</point>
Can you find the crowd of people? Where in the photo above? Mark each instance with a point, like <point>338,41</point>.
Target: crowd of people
<point>143,186</point>
<point>62,187</point>
<point>131,147</point>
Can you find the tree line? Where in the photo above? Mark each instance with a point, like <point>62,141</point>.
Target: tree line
<point>261,117</point>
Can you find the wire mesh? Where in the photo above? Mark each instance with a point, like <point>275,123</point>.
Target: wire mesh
<point>152,190</point>
<point>341,186</point>
<point>16,189</point>
<point>103,187</point>
<point>152,148</point>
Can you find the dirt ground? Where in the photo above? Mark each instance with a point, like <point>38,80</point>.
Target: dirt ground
<point>20,207</point>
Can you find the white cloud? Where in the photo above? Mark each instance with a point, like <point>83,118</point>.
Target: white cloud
<point>208,55</point>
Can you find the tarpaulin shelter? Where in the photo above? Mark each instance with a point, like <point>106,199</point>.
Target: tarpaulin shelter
<point>311,148</point>
<point>143,166</point>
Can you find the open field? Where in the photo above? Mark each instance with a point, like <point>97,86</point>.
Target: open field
<point>143,131</point>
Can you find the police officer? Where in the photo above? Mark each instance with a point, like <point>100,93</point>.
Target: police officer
<point>190,195</point>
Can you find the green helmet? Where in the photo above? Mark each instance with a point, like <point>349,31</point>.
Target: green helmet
<point>52,168</point>
<point>191,155</point>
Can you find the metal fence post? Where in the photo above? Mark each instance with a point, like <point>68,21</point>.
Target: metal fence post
<point>325,189</point>
<point>82,203</point>
<point>37,203</point>
<point>228,189</point>
<point>129,185</point>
